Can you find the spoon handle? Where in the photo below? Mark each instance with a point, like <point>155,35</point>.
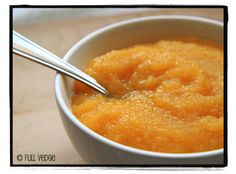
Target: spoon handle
<point>30,50</point>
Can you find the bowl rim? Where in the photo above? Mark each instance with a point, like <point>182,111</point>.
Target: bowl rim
<point>98,137</point>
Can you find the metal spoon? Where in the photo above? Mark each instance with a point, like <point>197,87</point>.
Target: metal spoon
<point>28,49</point>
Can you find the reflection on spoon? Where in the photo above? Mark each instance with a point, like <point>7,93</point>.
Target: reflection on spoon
<point>28,49</point>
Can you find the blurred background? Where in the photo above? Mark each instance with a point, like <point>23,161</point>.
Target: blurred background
<point>26,16</point>
<point>37,128</point>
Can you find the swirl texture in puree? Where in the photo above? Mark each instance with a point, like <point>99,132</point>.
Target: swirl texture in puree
<point>166,96</point>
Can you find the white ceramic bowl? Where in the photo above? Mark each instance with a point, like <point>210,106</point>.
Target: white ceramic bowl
<point>94,148</point>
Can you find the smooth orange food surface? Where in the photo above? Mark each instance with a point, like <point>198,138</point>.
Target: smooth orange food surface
<point>166,96</point>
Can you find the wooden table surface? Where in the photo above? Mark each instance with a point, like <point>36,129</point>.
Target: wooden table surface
<point>37,127</point>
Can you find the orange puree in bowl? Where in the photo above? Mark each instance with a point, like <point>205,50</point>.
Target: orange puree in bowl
<point>166,97</point>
